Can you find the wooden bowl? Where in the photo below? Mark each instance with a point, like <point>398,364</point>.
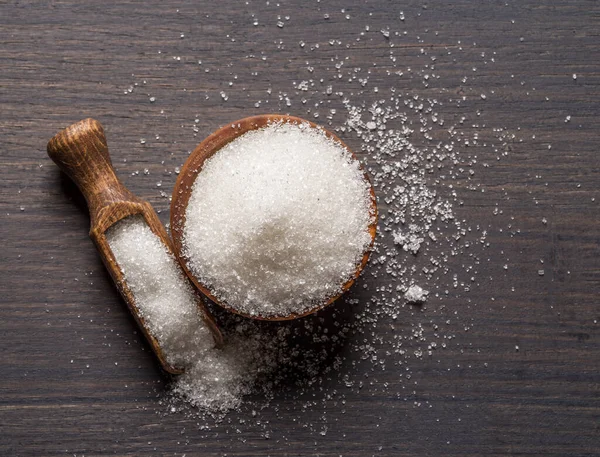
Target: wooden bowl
<point>193,166</point>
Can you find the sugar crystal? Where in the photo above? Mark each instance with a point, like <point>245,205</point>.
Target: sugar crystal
<point>416,294</point>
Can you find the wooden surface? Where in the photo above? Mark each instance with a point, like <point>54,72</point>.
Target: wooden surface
<point>78,380</point>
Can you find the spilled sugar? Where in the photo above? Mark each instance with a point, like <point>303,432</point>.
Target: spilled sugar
<point>418,237</point>
<point>214,379</point>
<point>426,147</point>
<point>416,215</point>
<point>278,220</point>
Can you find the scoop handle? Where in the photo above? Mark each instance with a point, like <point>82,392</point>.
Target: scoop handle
<point>81,152</point>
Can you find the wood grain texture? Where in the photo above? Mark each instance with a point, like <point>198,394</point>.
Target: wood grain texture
<point>78,379</point>
<point>182,191</point>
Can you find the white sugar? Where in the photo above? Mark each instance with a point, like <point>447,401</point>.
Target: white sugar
<point>278,220</point>
<point>416,294</point>
<point>216,380</point>
<point>410,242</point>
<point>164,297</point>
<point>213,379</point>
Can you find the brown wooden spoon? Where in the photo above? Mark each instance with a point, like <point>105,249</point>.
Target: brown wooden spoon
<point>81,152</point>
<point>183,190</point>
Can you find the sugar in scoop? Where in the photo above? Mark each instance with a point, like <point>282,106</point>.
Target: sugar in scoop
<point>164,297</point>
<point>278,220</point>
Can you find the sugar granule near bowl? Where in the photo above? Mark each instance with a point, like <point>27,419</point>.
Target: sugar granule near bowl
<point>278,220</point>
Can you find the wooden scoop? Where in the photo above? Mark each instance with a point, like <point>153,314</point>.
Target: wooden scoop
<point>183,191</point>
<point>81,152</point>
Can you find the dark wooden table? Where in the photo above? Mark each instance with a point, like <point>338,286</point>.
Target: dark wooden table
<point>77,379</point>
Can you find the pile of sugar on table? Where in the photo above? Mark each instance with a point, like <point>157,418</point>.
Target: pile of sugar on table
<point>278,220</point>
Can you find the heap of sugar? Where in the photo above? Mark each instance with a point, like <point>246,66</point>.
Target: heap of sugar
<point>416,294</point>
<point>214,379</point>
<point>410,242</point>
<point>278,220</point>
